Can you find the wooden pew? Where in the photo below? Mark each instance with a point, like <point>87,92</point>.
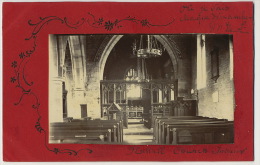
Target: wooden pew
<point>118,135</point>
<point>147,120</point>
<point>203,133</point>
<point>164,123</point>
<point>86,135</point>
<point>158,120</point>
<point>111,130</point>
<point>165,127</point>
<point>76,131</point>
<point>119,127</point>
<point>177,107</point>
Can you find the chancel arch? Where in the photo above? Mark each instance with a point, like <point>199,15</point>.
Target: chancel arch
<point>169,46</point>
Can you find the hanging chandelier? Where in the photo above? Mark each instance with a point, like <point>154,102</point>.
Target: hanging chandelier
<point>147,49</point>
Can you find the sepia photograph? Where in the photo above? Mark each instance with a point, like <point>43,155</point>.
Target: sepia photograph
<point>141,89</point>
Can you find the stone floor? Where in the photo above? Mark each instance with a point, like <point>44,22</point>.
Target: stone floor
<point>138,134</point>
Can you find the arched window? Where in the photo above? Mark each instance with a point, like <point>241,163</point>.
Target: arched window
<point>131,74</point>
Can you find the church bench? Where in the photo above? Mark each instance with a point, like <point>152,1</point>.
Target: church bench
<point>147,120</point>
<point>163,125</point>
<point>77,129</point>
<point>82,135</point>
<point>200,133</point>
<point>118,131</point>
<point>178,107</point>
<point>83,126</point>
<point>115,127</point>
<point>158,120</point>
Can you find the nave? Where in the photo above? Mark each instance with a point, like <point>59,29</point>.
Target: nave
<point>169,130</point>
<point>138,134</point>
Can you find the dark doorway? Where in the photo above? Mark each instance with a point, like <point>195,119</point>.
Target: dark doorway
<point>84,112</point>
<point>146,100</point>
<point>64,100</point>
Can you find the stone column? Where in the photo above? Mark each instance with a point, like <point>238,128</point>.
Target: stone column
<point>93,98</point>
<point>55,100</point>
<point>55,83</point>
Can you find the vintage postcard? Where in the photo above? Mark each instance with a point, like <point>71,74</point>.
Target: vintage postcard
<point>114,81</point>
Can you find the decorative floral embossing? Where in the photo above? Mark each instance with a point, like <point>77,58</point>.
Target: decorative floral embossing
<point>109,25</point>
<point>13,79</point>
<point>145,22</point>
<point>100,21</point>
<point>14,64</point>
<point>22,55</point>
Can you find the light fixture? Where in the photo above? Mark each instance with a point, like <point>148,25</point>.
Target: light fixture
<point>147,49</point>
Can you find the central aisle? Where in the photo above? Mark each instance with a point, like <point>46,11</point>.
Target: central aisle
<point>138,134</point>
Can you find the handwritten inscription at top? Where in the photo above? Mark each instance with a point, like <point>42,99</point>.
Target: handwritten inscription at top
<point>218,17</point>
<point>214,8</point>
<point>186,8</point>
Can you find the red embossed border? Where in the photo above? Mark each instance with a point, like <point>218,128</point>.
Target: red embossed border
<point>28,59</point>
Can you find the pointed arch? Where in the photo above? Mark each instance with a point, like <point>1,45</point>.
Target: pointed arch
<point>161,38</point>
<point>68,72</point>
<point>78,60</point>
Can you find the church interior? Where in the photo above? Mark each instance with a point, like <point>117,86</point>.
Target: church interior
<point>141,89</point>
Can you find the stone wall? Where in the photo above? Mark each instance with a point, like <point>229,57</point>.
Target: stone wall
<point>187,46</point>
<point>92,81</point>
<point>217,98</point>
